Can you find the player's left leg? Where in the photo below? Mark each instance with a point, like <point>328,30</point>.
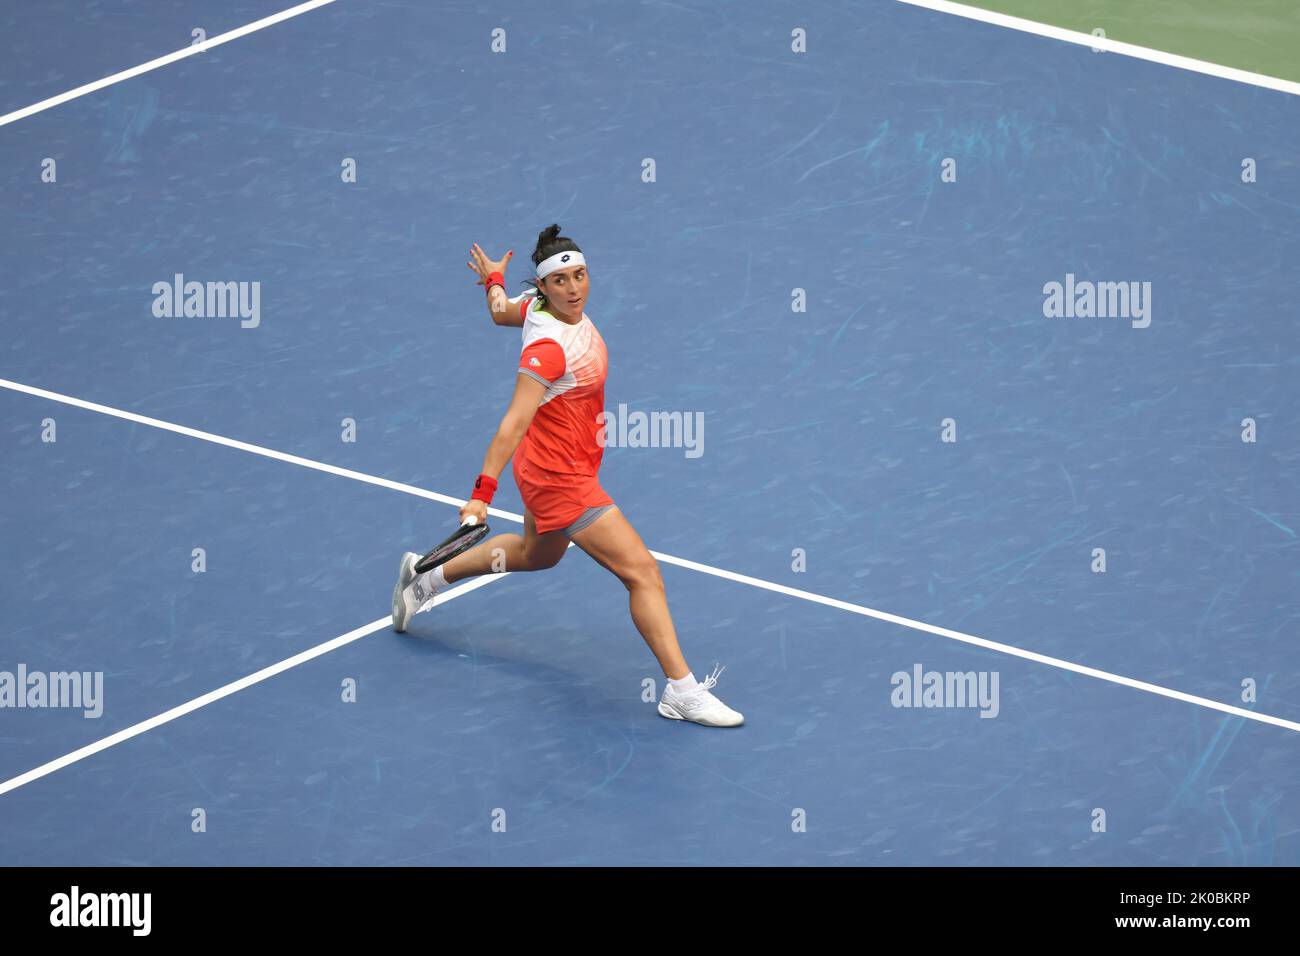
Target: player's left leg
<point>615,545</point>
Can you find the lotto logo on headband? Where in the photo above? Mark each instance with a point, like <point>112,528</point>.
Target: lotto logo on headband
<point>559,261</point>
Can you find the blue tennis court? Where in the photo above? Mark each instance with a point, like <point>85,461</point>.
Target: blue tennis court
<point>890,425</point>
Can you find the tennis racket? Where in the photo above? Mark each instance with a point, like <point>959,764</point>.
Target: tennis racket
<point>464,538</point>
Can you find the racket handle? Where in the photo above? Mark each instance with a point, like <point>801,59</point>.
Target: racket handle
<point>472,519</point>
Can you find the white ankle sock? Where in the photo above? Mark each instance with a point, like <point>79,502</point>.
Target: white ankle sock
<point>433,580</point>
<point>684,684</point>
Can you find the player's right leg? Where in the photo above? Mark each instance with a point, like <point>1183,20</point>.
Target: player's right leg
<point>529,551</point>
<point>502,552</point>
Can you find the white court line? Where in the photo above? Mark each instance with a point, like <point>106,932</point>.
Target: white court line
<point>252,449</point>
<point>234,34</point>
<point>690,565</point>
<point>981,642</point>
<point>1104,43</point>
<point>234,687</point>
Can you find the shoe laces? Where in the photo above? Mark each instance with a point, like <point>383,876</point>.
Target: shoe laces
<point>712,680</point>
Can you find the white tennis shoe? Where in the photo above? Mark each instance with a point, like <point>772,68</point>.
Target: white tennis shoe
<point>699,705</point>
<point>407,600</point>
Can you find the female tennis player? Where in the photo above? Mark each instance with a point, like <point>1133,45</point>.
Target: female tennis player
<point>552,430</point>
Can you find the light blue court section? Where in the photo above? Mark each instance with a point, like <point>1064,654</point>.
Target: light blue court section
<point>775,171</point>
<point>52,48</point>
<point>101,529</point>
<point>526,696</point>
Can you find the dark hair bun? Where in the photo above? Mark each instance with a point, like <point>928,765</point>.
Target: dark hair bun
<point>549,242</point>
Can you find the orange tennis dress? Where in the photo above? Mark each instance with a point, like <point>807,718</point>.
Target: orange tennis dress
<point>557,462</point>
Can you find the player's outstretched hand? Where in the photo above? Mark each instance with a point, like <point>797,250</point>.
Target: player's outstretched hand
<point>484,266</point>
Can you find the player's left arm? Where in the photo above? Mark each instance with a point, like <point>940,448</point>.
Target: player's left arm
<point>501,307</point>
<point>506,311</point>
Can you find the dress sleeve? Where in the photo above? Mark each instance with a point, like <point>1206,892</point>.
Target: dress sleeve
<point>543,360</point>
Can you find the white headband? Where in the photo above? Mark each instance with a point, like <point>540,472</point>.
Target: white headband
<point>561,260</point>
